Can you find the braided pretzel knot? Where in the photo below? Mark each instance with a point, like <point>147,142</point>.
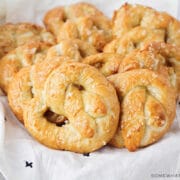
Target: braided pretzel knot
<point>155,56</point>
<point>74,48</point>
<point>132,16</point>
<point>106,63</point>
<point>14,35</point>
<point>82,102</point>
<point>137,38</point>
<point>22,56</point>
<point>79,21</point>
<point>147,106</point>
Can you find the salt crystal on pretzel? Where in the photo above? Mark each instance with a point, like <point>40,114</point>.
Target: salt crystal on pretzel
<point>79,21</point>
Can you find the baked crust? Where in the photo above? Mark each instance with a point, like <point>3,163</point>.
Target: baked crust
<point>137,38</point>
<point>73,48</point>
<point>14,35</point>
<point>158,56</point>
<point>20,92</point>
<point>29,82</point>
<point>79,21</point>
<point>106,63</point>
<point>32,53</point>
<point>22,56</point>
<point>41,71</point>
<point>148,104</point>
<point>88,101</point>
<point>128,17</point>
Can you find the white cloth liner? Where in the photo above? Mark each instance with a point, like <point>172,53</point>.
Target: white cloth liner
<point>17,146</point>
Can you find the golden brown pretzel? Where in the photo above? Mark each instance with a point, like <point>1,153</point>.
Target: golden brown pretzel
<point>22,56</point>
<point>130,16</point>
<point>79,21</point>
<point>137,38</point>
<point>14,35</point>
<point>148,104</point>
<point>73,48</point>
<point>82,102</point>
<point>155,56</point>
<point>107,63</point>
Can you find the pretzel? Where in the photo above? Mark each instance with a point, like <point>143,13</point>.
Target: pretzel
<point>79,21</point>
<point>79,110</point>
<point>130,16</point>
<point>74,48</point>
<point>148,104</point>
<point>22,56</point>
<point>14,35</point>
<point>106,63</point>
<point>29,82</point>
<point>155,56</point>
<point>137,38</point>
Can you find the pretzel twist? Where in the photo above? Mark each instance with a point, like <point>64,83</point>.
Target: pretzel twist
<point>20,57</point>
<point>82,102</point>
<point>137,38</point>
<point>14,35</point>
<point>128,17</point>
<point>171,54</point>
<point>106,63</point>
<point>79,21</point>
<point>74,48</point>
<point>158,56</point>
<point>148,104</point>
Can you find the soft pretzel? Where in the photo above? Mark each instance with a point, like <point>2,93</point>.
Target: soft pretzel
<point>137,38</point>
<point>22,56</point>
<point>28,83</point>
<point>79,110</point>
<point>107,63</point>
<point>155,56</point>
<point>148,104</point>
<point>79,21</point>
<point>130,16</point>
<point>14,35</point>
<point>74,48</point>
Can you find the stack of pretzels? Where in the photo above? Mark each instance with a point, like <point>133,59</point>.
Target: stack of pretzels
<point>85,81</point>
